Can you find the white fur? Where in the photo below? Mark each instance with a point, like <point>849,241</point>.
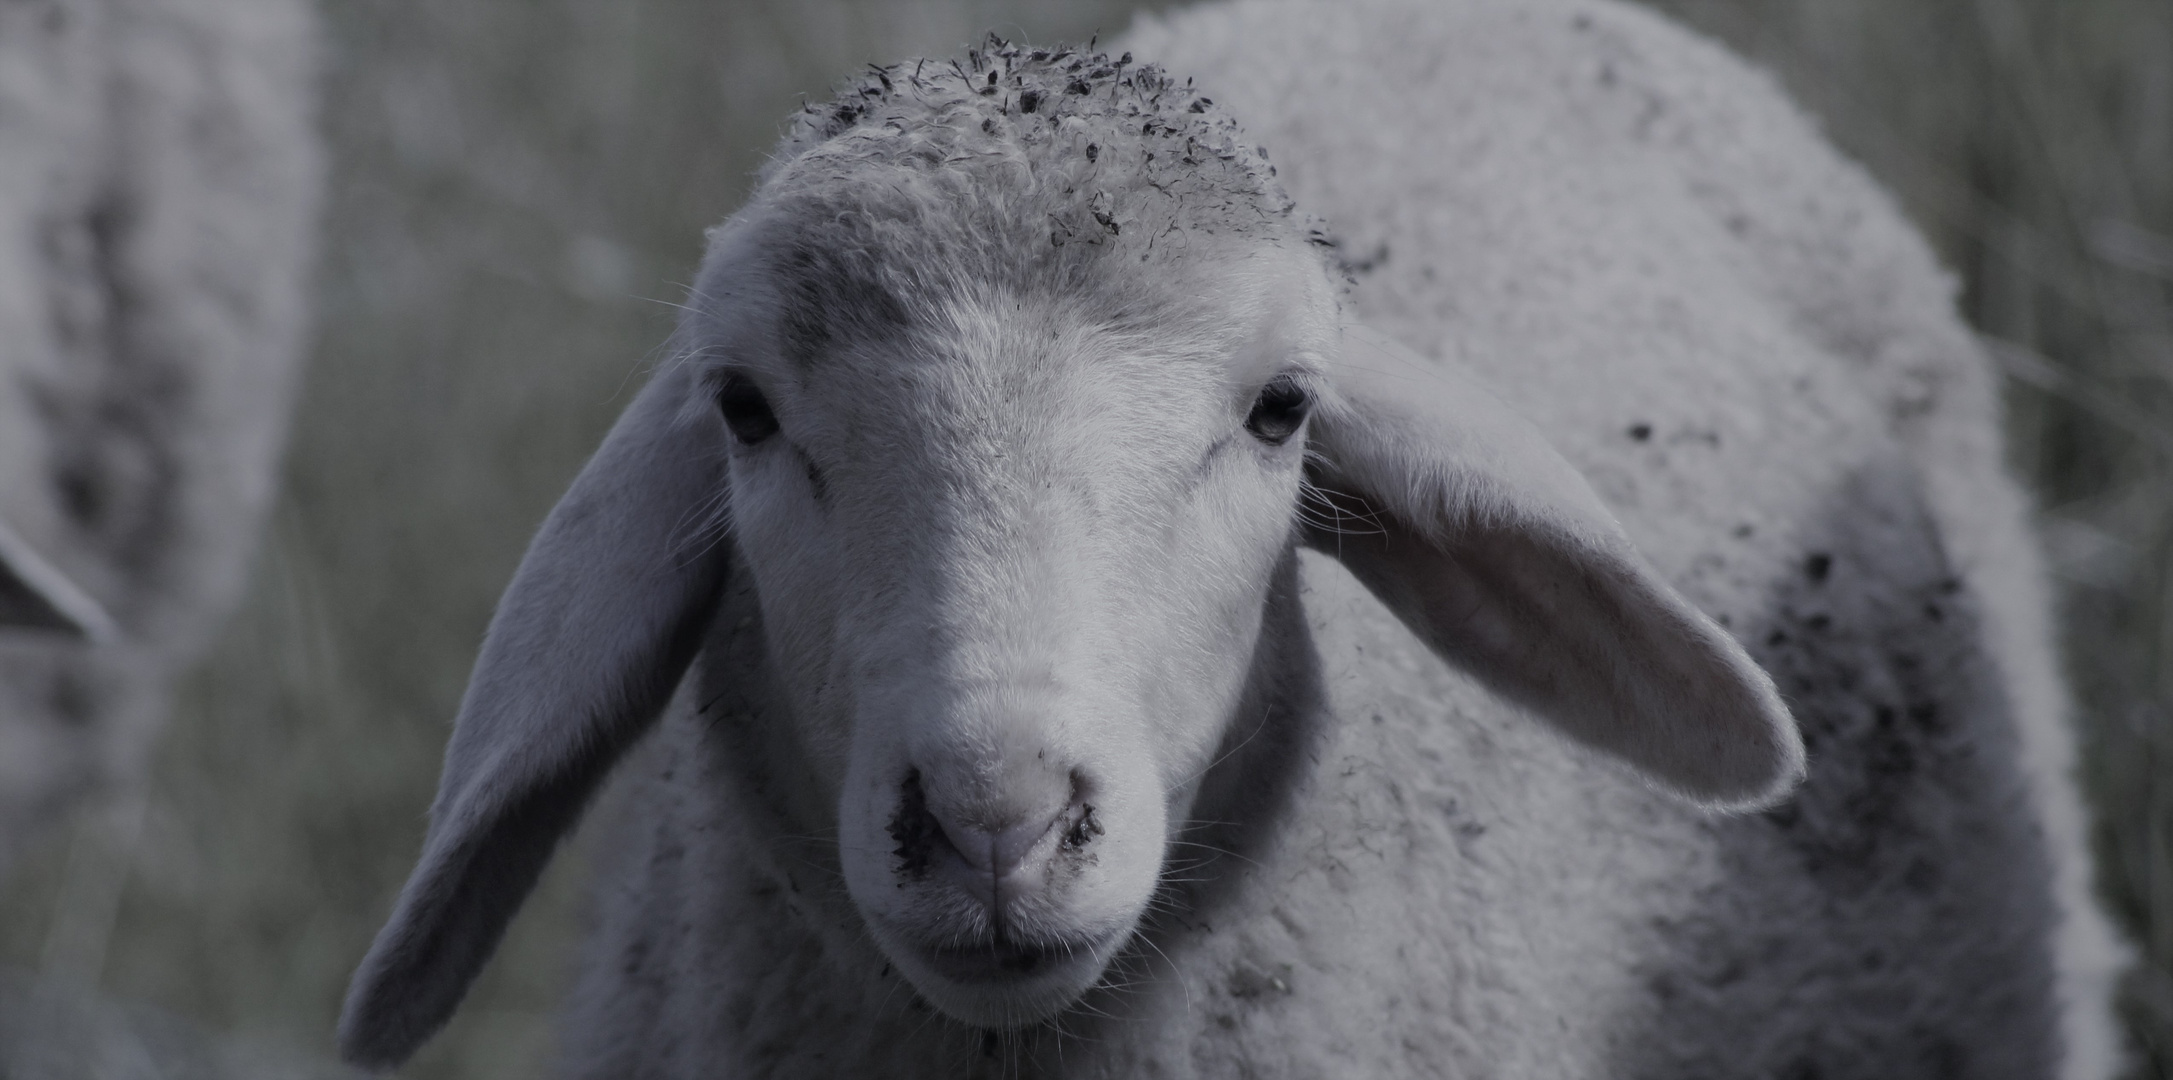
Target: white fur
<point>1011,550</point>
<point>158,181</point>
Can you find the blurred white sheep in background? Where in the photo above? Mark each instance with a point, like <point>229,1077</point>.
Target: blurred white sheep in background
<point>158,184</point>
<point>159,178</point>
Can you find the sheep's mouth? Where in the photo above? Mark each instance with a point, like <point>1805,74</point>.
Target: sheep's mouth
<point>1009,961</point>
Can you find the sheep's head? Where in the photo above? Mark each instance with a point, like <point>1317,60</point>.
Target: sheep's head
<point>1013,388</point>
<point>1015,416</point>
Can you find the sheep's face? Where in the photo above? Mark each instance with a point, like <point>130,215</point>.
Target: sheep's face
<point>1012,552</point>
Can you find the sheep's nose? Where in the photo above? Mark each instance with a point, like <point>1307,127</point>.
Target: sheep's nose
<point>1000,845</point>
<point>997,853</point>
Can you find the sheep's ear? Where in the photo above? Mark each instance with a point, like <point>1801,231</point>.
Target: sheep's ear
<point>36,596</point>
<point>588,643</point>
<point>1460,517</point>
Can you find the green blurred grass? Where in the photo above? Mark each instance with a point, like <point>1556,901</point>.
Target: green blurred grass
<point>518,189</point>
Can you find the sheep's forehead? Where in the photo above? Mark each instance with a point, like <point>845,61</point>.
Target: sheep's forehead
<point>957,246</point>
<point>1011,164</point>
<point>884,294</point>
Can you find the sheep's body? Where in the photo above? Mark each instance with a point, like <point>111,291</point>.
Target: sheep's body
<point>1735,336</point>
<point>1663,240</point>
<point>158,180</point>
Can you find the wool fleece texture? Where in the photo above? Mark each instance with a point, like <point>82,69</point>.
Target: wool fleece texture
<point>1645,453</point>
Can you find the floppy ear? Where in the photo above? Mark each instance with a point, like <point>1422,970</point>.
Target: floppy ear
<point>1460,517</point>
<point>35,596</point>
<point>587,645</point>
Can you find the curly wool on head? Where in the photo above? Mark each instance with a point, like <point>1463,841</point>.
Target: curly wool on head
<point>1034,166</point>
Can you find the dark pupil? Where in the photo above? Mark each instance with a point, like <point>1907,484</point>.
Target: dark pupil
<point>745,411</point>
<point>1278,411</point>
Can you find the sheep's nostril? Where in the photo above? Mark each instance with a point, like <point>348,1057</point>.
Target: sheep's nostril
<point>916,831</point>
<point>1084,828</point>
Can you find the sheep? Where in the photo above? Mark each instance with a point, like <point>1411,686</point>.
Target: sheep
<point>1105,622</point>
<point>159,172</point>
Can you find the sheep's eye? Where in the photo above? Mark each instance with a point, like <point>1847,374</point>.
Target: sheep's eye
<point>745,411</point>
<point>1279,410</point>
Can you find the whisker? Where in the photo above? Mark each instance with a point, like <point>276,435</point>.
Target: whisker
<point>1265,715</point>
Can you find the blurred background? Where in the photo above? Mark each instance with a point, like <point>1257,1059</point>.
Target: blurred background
<point>517,190</point>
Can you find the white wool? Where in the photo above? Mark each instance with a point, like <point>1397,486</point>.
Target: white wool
<point>159,174</point>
